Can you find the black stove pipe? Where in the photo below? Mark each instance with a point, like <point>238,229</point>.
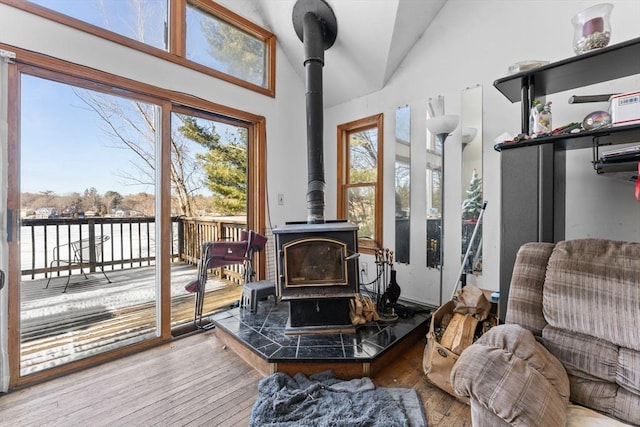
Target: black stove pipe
<point>313,63</point>
<point>315,24</point>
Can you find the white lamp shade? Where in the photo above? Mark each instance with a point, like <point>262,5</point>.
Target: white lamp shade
<point>468,134</point>
<point>443,124</point>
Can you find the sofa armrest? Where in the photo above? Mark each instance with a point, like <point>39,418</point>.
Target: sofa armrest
<point>507,373</point>
<point>527,282</point>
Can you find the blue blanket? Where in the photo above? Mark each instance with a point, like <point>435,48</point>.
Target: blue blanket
<point>323,400</point>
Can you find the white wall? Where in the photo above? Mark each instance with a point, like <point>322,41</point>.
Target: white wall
<point>474,42</point>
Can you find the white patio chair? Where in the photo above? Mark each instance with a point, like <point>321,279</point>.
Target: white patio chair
<point>78,253</point>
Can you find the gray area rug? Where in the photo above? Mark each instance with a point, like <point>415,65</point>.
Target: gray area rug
<point>323,400</point>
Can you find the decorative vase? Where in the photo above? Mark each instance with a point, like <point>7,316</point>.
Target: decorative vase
<point>591,28</point>
<point>393,290</point>
<point>540,119</point>
<point>544,123</point>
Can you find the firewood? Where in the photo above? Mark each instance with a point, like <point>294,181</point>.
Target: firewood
<point>370,311</point>
<point>459,333</point>
<point>355,311</point>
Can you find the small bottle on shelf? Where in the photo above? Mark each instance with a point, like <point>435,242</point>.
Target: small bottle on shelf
<point>542,123</point>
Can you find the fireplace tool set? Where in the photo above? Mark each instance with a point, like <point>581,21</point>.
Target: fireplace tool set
<point>386,298</point>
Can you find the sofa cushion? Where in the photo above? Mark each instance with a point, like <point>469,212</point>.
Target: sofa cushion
<point>591,302</point>
<point>483,417</point>
<point>628,371</point>
<point>592,287</point>
<point>582,355</point>
<point>579,416</point>
<point>513,376</point>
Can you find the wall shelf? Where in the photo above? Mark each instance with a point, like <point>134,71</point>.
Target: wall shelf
<point>609,136</point>
<point>609,63</point>
<point>614,167</point>
<point>534,172</point>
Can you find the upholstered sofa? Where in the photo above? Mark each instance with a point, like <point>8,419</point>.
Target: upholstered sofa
<point>570,343</point>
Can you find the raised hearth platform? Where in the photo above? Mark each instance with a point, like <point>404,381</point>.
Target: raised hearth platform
<point>260,339</point>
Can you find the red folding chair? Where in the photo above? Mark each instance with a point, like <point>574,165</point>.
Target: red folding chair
<point>219,254</point>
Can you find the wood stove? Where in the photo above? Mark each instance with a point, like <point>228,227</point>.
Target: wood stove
<point>317,260</point>
<point>317,275</point>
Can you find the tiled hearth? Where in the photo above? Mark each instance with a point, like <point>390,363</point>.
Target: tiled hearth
<point>261,340</point>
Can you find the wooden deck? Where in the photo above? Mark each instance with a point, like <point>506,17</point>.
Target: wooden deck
<point>190,381</point>
<point>94,316</point>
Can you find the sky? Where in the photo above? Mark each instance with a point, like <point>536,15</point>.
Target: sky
<point>62,145</point>
<point>117,15</point>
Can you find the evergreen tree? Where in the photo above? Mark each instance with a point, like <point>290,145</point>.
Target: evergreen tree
<point>234,51</point>
<point>472,205</point>
<point>224,164</point>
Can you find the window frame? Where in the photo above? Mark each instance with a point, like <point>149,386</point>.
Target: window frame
<point>376,121</point>
<point>176,44</point>
<point>68,73</point>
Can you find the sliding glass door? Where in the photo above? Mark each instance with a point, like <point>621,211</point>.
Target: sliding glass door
<point>113,187</point>
<point>88,221</point>
<point>209,193</point>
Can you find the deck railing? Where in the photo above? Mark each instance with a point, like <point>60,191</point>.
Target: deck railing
<point>131,243</point>
<point>193,232</point>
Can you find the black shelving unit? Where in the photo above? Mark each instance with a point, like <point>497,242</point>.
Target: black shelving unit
<point>600,137</point>
<point>533,186</point>
<point>609,63</point>
<point>613,167</point>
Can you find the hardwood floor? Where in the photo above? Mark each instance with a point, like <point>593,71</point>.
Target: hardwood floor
<point>195,380</point>
<point>441,409</point>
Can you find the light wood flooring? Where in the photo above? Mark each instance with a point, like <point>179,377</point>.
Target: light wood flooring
<point>192,381</point>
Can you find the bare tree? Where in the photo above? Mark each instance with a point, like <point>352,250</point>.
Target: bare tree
<point>132,124</point>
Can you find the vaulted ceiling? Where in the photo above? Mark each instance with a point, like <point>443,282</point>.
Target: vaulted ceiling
<point>374,36</point>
